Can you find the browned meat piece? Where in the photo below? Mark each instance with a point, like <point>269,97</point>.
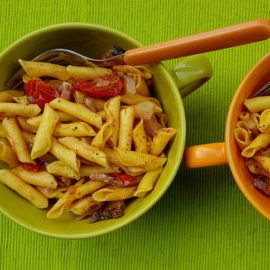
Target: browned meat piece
<point>111,210</point>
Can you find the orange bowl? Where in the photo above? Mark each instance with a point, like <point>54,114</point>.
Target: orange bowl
<point>258,76</point>
<point>228,152</point>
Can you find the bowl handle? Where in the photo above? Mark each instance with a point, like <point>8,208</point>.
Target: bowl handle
<point>205,155</point>
<point>191,73</point>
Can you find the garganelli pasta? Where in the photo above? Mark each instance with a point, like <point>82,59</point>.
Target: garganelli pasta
<point>90,138</point>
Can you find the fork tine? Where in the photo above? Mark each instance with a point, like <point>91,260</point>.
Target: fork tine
<point>263,91</point>
<point>15,80</point>
<point>18,85</point>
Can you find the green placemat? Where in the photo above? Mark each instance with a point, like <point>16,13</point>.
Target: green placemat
<point>203,221</point>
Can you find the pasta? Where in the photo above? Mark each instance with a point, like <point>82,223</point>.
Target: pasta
<point>43,179</point>
<point>16,139</point>
<point>160,141</point>
<point>77,110</point>
<point>10,179</point>
<point>65,155</point>
<point>88,138</point>
<point>126,127</point>
<point>42,142</point>
<point>87,73</point>
<point>139,138</point>
<point>85,150</point>
<point>112,110</point>
<point>8,95</point>
<point>7,154</point>
<point>147,182</point>
<point>60,168</point>
<point>16,109</point>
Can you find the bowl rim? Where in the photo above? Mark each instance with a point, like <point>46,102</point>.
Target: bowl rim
<point>181,132</point>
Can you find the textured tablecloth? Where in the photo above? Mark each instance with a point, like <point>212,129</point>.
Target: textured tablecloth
<point>203,221</point>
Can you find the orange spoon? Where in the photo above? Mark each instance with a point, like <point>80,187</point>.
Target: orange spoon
<point>222,38</point>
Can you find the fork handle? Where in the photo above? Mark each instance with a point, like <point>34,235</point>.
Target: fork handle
<point>230,36</point>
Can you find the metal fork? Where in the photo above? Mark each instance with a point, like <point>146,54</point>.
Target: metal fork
<point>61,57</point>
<point>263,91</point>
<point>230,36</point>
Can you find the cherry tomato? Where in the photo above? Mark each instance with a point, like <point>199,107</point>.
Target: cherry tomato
<point>33,167</point>
<point>103,87</point>
<point>127,180</point>
<point>39,92</point>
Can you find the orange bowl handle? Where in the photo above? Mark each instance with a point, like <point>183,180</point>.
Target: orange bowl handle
<point>221,38</point>
<point>205,155</point>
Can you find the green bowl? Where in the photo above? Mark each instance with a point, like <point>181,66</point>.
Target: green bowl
<point>92,40</point>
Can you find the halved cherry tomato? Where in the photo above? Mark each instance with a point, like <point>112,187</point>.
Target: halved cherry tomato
<point>127,180</point>
<point>33,167</point>
<point>103,87</point>
<point>39,92</point>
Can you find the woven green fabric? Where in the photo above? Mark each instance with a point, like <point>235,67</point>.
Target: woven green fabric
<point>203,221</point>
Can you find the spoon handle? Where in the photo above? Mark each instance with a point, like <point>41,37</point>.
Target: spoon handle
<point>221,38</point>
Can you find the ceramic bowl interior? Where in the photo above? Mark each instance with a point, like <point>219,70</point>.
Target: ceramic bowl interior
<point>92,40</point>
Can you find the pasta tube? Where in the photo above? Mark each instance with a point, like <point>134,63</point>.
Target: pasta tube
<point>43,178</point>
<point>44,69</point>
<point>65,155</point>
<point>7,154</point>
<point>8,95</point>
<point>87,170</point>
<point>141,86</point>
<point>2,131</point>
<point>77,110</point>
<point>88,187</point>
<point>52,193</point>
<point>242,137</point>
<point>112,109</point>
<point>25,126</point>
<point>133,99</point>
<point>16,139</point>
<point>126,127</point>
<point>63,117</point>
<point>87,73</point>
<point>140,70</point>
<point>86,205</point>
<point>102,114</point>
<point>260,142</point>
<point>29,137</point>
<point>77,129</point>
<point>11,180</point>
<point>257,104</point>
<point>62,203</point>
<point>264,123</point>
<point>160,141</point>
<point>21,100</point>
<point>60,168</point>
<point>99,103</point>
<point>43,138</point>
<point>85,150</point>
<point>113,193</point>
<point>136,159</point>
<point>102,136</point>
<point>147,183</point>
<point>16,109</point>
<point>264,161</point>
<point>79,97</point>
<point>139,138</point>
